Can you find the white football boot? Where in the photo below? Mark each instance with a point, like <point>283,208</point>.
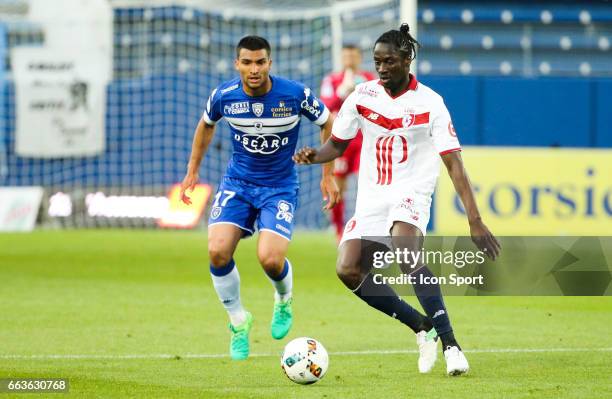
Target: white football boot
<point>428,350</point>
<point>456,363</point>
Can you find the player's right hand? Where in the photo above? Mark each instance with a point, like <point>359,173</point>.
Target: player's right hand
<point>189,183</point>
<point>305,156</point>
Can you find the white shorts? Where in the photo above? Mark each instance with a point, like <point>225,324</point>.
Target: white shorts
<point>376,217</point>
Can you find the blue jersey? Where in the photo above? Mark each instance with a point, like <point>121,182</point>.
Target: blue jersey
<point>264,129</point>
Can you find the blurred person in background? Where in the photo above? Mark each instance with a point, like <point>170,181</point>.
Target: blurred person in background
<point>335,88</point>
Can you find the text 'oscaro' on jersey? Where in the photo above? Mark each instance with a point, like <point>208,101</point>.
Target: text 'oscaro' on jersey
<point>264,129</point>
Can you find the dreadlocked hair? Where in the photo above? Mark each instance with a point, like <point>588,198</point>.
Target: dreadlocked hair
<point>402,40</point>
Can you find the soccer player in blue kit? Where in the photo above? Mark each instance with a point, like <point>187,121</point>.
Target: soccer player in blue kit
<point>260,186</point>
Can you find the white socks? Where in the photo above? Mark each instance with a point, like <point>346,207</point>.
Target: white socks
<point>226,281</point>
<point>283,284</point>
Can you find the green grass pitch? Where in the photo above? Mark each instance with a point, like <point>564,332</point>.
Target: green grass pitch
<point>112,304</point>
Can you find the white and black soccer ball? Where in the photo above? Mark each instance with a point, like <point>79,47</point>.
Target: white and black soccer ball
<point>305,360</point>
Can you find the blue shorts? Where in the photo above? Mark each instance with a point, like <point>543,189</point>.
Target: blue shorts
<point>247,205</point>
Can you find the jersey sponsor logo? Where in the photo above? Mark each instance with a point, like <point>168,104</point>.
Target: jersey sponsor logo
<point>241,107</point>
<point>228,89</point>
<point>265,144</point>
<point>258,109</point>
<point>282,228</point>
<point>408,204</point>
<point>285,211</point>
<point>282,111</point>
<point>367,91</point>
<point>314,108</point>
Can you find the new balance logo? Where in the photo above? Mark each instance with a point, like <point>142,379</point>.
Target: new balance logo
<point>438,313</point>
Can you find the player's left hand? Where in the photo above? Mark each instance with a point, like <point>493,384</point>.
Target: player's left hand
<point>484,239</point>
<point>330,191</point>
<point>304,156</point>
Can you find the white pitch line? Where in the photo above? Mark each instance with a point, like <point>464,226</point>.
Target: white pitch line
<point>224,355</point>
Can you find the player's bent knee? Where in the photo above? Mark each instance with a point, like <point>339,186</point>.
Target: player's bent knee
<point>219,256</point>
<point>349,273</point>
<point>272,261</point>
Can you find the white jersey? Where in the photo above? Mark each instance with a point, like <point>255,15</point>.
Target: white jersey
<point>403,139</point>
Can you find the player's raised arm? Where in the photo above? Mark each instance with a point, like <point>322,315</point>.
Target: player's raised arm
<point>481,235</point>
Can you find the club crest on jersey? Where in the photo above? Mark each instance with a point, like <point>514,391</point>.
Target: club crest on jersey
<point>216,212</point>
<point>408,120</point>
<point>285,211</point>
<point>258,109</point>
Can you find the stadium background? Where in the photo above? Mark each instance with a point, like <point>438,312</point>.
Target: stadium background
<point>513,74</point>
<point>131,312</point>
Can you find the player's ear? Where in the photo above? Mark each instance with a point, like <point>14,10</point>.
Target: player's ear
<point>236,63</point>
<point>407,62</point>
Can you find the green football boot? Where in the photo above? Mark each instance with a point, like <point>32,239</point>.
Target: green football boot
<point>282,318</point>
<point>239,343</point>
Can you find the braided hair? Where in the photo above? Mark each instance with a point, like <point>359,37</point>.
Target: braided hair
<point>402,40</point>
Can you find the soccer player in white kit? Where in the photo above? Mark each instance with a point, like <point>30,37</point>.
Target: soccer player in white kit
<point>407,132</point>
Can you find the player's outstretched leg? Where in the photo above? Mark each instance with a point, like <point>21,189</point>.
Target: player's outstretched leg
<point>407,236</point>
<point>271,252</point>
<point>222,241</point>
<point>383,298</point>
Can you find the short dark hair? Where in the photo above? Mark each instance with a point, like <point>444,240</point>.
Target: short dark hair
<point>401,39</point>
<point>253,43</point>
<point>351,46</point>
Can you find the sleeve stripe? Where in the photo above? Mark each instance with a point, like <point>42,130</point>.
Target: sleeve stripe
<point>449,151</point>
<point>338,139</point>
<point>323,118</point>
<point>207,119</point>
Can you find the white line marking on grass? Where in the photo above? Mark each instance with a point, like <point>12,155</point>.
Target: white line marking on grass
<point>155,356</point>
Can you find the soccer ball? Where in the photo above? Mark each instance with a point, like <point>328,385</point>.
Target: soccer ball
<point>304,360</point>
